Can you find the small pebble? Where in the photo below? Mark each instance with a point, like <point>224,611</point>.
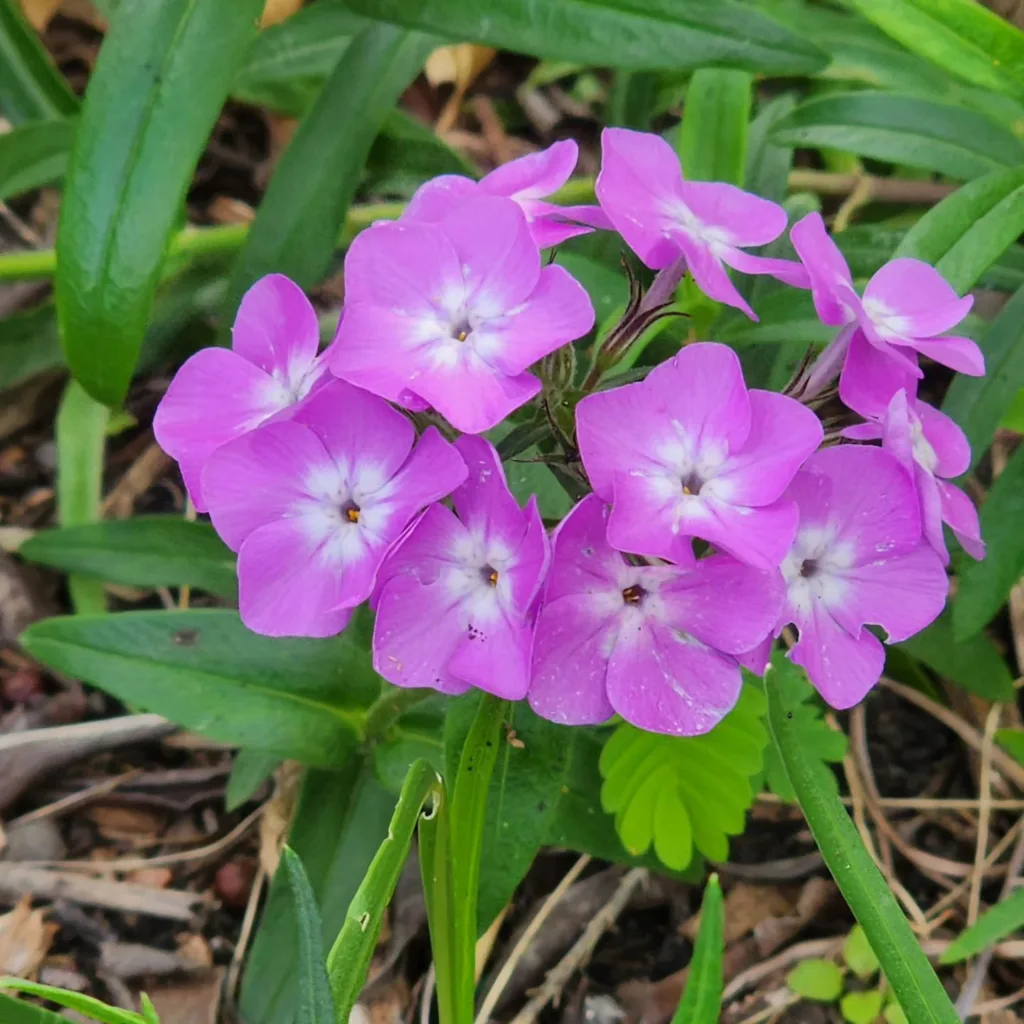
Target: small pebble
<point>35,840</point>
<point>234,880</point>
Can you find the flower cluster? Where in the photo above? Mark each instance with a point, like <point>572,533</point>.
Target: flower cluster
<point>719,516</point>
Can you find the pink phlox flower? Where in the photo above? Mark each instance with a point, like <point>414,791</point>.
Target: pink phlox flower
<point>528,181</point>
<point>313,504</point>
<point>641,189</point>
<point>906,309</point>
<point>653,643</point>
<point>454,313</point>
<point>858,558</point>
<point>455,599</point>
<point>934,450</point>
<point>220,394</point>
<point>690,452</point>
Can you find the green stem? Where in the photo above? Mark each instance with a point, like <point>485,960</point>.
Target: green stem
<point>388,708</point>
<point>466,825</point>
<point>917,987</point>
<point>40,264</point>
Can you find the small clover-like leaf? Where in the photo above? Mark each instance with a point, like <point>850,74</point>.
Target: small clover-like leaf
<point>858,954</point>
<point>685,793</point>
<point>819,980</point>
<point>861,1007</point>
<point>817,737</point>
<point>893,1013</point>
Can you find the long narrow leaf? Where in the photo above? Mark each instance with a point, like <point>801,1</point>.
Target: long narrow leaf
<point>15,1011</point>
<point>81,435</point>
<point>314,1005</point>
<point>993,925</point>
<point>349,960</point>
<point>304,208</point>
<point>161,79</point>
<point>31,88</point>
<point>72,1001</point>
<point>713,137</point>
<point>915,984</point>
<point>702,998</point>
<point>32,155</point>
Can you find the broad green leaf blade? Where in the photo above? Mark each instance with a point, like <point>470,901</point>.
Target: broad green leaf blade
<point>147,551</point>
<point>768,164</point>
<point>288,63</point>
<point>72,1001</point>
<point>163,73</point>
<point>973,664</point>
<point>314,1004</point>
<point>995,924</point>
<point>713,137</point>
<point>81,432</point>
<point>303,699</point>
<point>251,769</point>
<point>970,229</point>
<point>865,890</point>
<point>15,1011</point>
<point>642,34</point>
<point>984,585</point>
<point>349,959</point>
<point>907,129</point>
<point>303,210</point>
<point>31,88</point>
<point>978,404</point>
<point>342,819</point>
<point>959,36</point>
<point>33,155</point>
<point>702,997</point>
<point>1012,741</point>
<point>28,345</point>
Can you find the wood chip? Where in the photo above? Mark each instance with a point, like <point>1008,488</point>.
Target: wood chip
<point>172,904</point>
<point>25,940</point>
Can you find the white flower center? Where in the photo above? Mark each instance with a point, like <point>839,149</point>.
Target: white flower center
<point>924,454</point>
<point>814,569</point>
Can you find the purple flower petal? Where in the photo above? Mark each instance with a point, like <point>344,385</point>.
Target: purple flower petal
<point>260,477</point>
<point>709,274</point>
<point>432,472</point>
<point>495,657</point>
<point>948,442</point>
<point>757,659</point>
<point>911,299</point>
<point>758,536</point>
<point>285,586</point>
<point>535,175</point>
<point>639,174</point>
<point>782,434</point>
<point>739,218</point>
<point>435,199</point>
<point>960,354</point>
<point>585,560</point>
<point>788,271</point>
<point>476,398</point>
<point>215,397</point>
<point>830,277</point>
<point>665,681</point>
<point>959,511</point>
<point>646,520</point>
<point>842,669</point>
<point>870,378</point>
<point>276,329</point>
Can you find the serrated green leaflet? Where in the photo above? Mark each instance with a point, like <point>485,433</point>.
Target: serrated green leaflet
<point>682,793</point>
<point>304,699</point>
<point>865,890</point>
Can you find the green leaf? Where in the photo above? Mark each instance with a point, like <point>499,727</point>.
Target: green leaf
<point>15,1011</point>
<point>970,229</point>
<point>858,954</point>
<point>303,210</point>
<point>865,890</point>
<point>984,585</point>
<point>1012,741</point>
<point>819,980</point>
<point>303,699</point>
<point>647,34</point>
<point>251,769</point>
<point>342,819</point>
<point>315,1005</point>
<point>894,1014</point>
<point>979,403</point>
<point>906,129</point>
<point>126,183</point>
<point>81,432</point>
<point>861,1007</point>
<point>973,664</point>
<point>959,36</point>
<point>713,138</point>
<point>349,960</point>
<point>817,738</point>
<point>72,1001</point>
<point>681,793</point>
<point>28,344</point>
<point>31,88</point>
<point>702,997</point>
<point>995,924</point>
<point>1013,418</point>
<point>147,551</point>
<point>288,63</point>
<point>768,164</point>
<point>33,155</point>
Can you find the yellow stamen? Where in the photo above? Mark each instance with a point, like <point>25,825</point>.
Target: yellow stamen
<point>633,594</point>
<point>462,336</point>
<point>492,577</point>
<point>352,515</point>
